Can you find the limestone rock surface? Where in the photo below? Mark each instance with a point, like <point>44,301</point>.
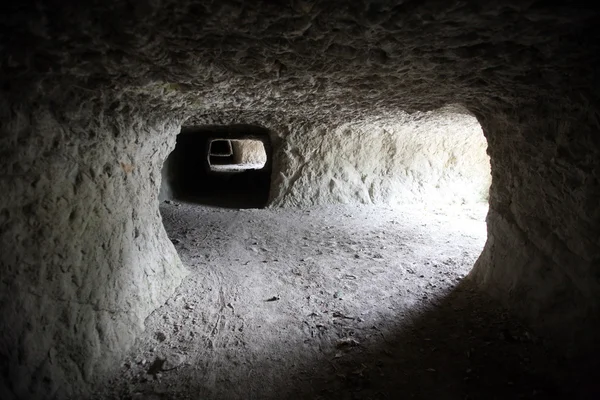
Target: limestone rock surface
<point>435,158</point>
<point>92,95</point>
<point>85,257</point>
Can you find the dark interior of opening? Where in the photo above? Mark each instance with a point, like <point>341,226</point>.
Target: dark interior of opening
<point>220,152</point>
<point>190,177</point>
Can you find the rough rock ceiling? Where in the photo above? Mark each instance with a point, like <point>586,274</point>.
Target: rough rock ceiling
<point>310,57</point>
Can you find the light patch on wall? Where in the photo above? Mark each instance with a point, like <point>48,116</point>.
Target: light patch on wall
<point>434,159</point>
<point>236,155</point>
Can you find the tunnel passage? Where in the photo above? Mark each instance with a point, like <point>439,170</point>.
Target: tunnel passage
<point>224,166</point>
<point>92,99</point>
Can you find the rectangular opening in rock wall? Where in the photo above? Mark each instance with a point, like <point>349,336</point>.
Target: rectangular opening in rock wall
<point>221,148</point>
<point>220,165</point>
<point>236,155</point>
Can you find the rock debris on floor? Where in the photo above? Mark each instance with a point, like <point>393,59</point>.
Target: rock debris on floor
<point>344,302</point>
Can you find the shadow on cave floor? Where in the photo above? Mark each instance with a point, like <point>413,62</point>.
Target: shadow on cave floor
<point>344,303</point>
<point>235,190</point>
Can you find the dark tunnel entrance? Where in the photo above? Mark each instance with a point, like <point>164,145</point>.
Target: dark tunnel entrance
<point>222,166</point>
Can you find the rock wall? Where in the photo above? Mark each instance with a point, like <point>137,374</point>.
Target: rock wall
<point>542,255</point>
<point>85,257</point>
<point>249,152</point>
<point>435,158</point>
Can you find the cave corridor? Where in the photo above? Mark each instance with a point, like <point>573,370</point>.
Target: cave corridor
<point>422,220</point>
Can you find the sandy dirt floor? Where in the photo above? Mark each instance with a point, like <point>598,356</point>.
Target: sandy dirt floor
<point>340,302</point>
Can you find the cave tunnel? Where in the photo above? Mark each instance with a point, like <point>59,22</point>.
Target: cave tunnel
<point>304,200</point>
<point>223,166</point>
